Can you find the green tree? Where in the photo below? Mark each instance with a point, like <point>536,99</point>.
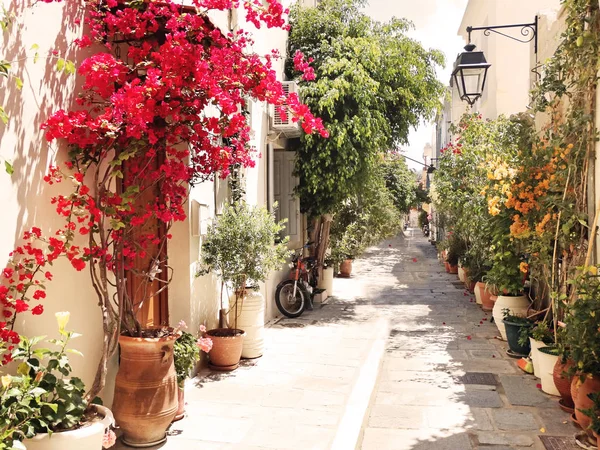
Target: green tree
<point>373,85</point>
<point>400,182</point>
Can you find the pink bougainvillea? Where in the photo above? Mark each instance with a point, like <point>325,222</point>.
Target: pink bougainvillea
<point>162,108</point>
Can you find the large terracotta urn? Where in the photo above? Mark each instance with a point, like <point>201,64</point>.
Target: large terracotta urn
<point>453,269</point>
<point>584,385</point>
<point>517,305</point>
<point>145,400</point>
<point>562,381</point>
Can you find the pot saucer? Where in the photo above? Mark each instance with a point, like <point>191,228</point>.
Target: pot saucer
<point>515,355</point>
<point>583,440</point>
<point>565,408</point>
<point>145,444</point>
<point>224,368</point>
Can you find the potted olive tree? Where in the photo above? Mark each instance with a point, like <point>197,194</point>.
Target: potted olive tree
<point>240,247</point>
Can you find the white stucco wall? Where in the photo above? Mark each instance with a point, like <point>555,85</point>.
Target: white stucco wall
<point>25,198</point>
<point>509,81</point>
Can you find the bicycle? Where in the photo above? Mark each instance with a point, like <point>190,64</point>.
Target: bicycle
<point>295,295</point>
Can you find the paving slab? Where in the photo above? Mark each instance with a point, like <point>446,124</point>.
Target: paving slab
<point>512,419</point>
<point>521,390</point>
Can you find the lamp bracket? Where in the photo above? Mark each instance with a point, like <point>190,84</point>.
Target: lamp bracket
<point>529,32</point>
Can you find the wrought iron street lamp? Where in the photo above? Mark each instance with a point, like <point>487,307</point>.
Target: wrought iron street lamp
<point>471,67</point>
<point>469,74</point>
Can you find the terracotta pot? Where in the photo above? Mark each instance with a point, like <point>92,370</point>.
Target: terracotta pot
<point>563,382</point>
<point>145,399</point>
<point>471,286</point>
<point>447,266</point>
<point>346,268</point>
<point>487,304</point>
<point>227,348</point>
<point>517,305</point>
<point>590,384</point>
<point>86,437</point>
<point>453,269</point>
<point>180,404</point>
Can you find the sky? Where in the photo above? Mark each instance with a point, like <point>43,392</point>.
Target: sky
<point>436,26</point>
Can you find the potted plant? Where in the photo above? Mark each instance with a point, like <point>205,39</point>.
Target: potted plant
<point>517,333</point>
<point>42,407</point>
<point>546,362</point>
<point>507,279</point>
<point>456,250</point>
<point>326,280</point>
<point>582,338</point>
<point>593,413</point>
<point>345,245</point>
<point>539,336</point>
<point>240,248</point>
<point>186,353</point>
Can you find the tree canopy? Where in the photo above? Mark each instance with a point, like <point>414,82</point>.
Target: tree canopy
<point>373,84</point>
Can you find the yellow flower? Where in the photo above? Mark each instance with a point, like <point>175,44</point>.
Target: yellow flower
<point>524,267</point>
<point>593,270</point>
<point>6,380</point>
<point>63,319</point>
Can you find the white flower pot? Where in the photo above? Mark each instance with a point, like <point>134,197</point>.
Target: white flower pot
<point>478,292</point>
<point>252,320</point>
<point>461,274</point>
<point>517,305</point>
<point>546,362</point>
<point>326,281</point>
<point>535,351</point>
<point>88,437</point>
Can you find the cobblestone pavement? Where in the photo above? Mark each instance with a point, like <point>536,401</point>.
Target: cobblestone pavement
<point>429,394</point>
<point>388,363</point>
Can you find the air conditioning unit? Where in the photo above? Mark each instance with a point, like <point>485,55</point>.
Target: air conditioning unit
<point>287,127</point>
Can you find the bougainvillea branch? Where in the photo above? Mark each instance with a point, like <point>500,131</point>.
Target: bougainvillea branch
<point>162,109</point>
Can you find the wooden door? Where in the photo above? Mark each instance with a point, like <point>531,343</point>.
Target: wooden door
<point>284,183</point>
<point>148,293</point>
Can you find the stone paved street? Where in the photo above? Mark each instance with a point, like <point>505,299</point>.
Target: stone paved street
<point>397,360</point>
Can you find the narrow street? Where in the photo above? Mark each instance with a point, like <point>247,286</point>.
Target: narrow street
<point>401,359</point>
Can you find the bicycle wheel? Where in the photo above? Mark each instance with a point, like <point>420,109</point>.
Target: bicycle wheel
<point>290,305</point>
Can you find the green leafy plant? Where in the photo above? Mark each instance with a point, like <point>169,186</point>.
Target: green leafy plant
<point>240,247</point>
<point>542,332</point>
<point>582,320</point>
<point>42,397</point>
<point>186,354</point>
<point>456,249</point>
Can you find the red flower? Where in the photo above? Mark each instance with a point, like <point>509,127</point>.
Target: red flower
<point>468,338</point>
<point>8,272</point>
<point>37,310</point>
<point>78,263</point>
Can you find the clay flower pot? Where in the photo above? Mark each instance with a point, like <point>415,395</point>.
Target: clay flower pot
<point>346,268</point>
<point>227,348</point>
<point>487,304</point>
<point>180,404</point>
<point>453,269</point>
<point>590,384</point>
<point>563,382</point>
<point>447,266</point>
<point>145,400</point>
<point>471,287</point>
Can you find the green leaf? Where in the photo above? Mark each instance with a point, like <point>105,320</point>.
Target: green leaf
<point>4,118</point>
<point>60,64</point>
<point>19,83</point>
<point>7,166</point>
<point>76,352</point>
